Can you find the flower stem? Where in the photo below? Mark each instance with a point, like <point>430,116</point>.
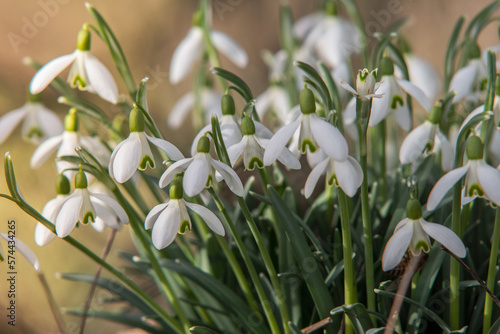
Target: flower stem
<point>490,281</point>
<point>349,277</point>
<point>454,265</point>
<point>52,303</point>
<point>249,264</point>
<point>363,115</point>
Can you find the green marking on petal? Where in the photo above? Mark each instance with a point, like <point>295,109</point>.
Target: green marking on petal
<point>88,218</point>
<point>78,82</point>
<point>475,189</point>
<point>422,245</point>
<point>145,161</point>
<point>483,84</point>
<point>35,132</point>
<point>255,162</point>
<point>185,226</point>
<point>306,143</point>
<point>209,181</point>
<point>396,99</point>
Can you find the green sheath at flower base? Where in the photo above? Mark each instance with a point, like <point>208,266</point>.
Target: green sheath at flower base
<point>136,120</point>
<point>413,209</point>
<point>34,98</point>
<point>203,145</point>
<point>80,180</point>
<point>83,40</point>
<point>331,8</point>
<point>198,18</point>
<point>71,121</point>
<point>307,101</point>
<point>63,186</point>
<point>475,148</point>
<point>497,85</point>
<point>176,191</point>
<point>247,126</point>
<point>435,114</point>
<point>387,66</point>
<point>227,105</point>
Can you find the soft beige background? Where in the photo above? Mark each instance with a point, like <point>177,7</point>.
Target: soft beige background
<point>148,30</point>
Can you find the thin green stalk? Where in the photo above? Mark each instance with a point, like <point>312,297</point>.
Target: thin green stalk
<point>266,305</point>
<point>350,293</point>
<point>454,265</point>
<point>381,139</point>
<point>490,281</point>
<point>363,111</point>
<point>56,312</point>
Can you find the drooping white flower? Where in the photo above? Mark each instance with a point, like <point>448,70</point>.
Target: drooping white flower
<point>39,123</point>
<point>346,174</point>
<point>199,172</point>
<point>480,178</point>
<point>315,133</point>
<point>20,247</point>
<point>86,72</point>
<point>193,46</point>
<point>83,206</point>
<point>65,144</point>
<point>274,98</point>
<point>253,144</point>
<point>209,102</point>
<point>427,138</point>
<point>413,234</point>
<point>333,39</point>
<point>229,125</point>
<point>170,218</point>
<point>393,100</point>
<point>135,152</point>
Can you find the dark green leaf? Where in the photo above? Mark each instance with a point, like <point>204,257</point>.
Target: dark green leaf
<point>202,330</point>
<point>243,88</point>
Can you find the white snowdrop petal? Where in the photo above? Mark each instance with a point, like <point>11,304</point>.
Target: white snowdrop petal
<point>127,158</point>
<point>188,52</point>
<point>415,142</point>
<point>50,123</point>
<point>196,176</point>
<point>447,151</point>
<point>416,93</point>
<point>445,237</point>
<point>279,141</point>
<point>153,215</point>
<point>443,185</point>
<point>113,205</point>
<point>462,82</point>
<point>174,169</point>
<point>167,225</point>
<point>10,121</point>
<point>24,250</point>
<point>424,75</point>
<point>209,217</point>
<point>68,215</point>
<point>230,176</point>
<point>347,175</point>
<point>288,159</point>
<point>180,110</point>
<point>381,106</point>
<point>229,48</point>
<point>167,147</point>
<point>329,138</point>
<point>236,150</point>
<point>100,79</point>
<point>49,71</point>
<point>43,235</point>
<point>45,150</point>
<point>489,180</point>
<point>314,176</point>
<point>397,246</point>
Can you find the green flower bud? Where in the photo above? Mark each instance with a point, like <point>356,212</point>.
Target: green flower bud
<point>136,120</point>
<point>435,114</point>
<point>176,191</point>
<point>63,186</point>
<point>475,148</point>
<point>413,209</point>
<point>83,40</point>
<point>247,126</point>
<point>80,180</point>
<point>71,121</point>
<point>203,145</point>
<point>307,102</point>
<point>387,66</point>
<point>227,105</point>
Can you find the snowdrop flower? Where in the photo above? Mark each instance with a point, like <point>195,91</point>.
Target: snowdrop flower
<point>413,233</point>
<point>427,138</point>
<point>346,174</point>
<point>20,247</point>
<point>480,178</point>
<point>422,74</point>
<point>199,172</point>
<point>331,37</point>
<point>392,100</point>
<point>192,48</point>
<point>86,72</point>
<point>83,206</point>
<point>229,125</point>
<point>366,85</point>
<point>170,218</point>
<point>66,143</point>
<point>209,102</point>
<point>274,98</point>
<point>255,139</point>
<point>42,234</point>
<point>39,123</point>
<point>314,133</point>
<point>135,152</point>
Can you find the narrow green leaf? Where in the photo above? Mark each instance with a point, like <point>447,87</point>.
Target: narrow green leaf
<point>451,51</point>
<point>318,80</point>
<point>134,321</point>
<point>359,317</point>
<point>202,330</point>
<point>481,20</point>
<point>495,329</point>
<point>243,88</point>
<point>304,257</point>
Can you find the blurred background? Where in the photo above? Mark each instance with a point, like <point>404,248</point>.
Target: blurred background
<point>148,31</point>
